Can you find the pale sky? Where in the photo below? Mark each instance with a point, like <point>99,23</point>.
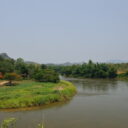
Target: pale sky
<point>57,31</point>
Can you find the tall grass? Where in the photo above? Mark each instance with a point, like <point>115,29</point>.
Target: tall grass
<point>11,123</point>
<point>31,93</point>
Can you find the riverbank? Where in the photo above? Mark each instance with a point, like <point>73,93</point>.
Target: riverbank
<point>31,93</point>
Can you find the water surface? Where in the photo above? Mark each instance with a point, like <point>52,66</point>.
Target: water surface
<point>98,104</point>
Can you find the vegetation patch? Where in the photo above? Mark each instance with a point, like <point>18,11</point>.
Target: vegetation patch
<point>31,93</point>
<point>123,76</point>
<point>87,70</point>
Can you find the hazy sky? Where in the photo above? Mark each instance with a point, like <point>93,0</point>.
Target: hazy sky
<point>64,30</point>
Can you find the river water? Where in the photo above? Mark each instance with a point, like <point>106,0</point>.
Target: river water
<point>97,104</point>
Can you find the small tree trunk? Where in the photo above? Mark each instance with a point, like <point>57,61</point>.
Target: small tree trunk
<point>10,82</point>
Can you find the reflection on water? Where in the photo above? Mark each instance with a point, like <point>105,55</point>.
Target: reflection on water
<point>91,87</point>
<point>96,85</point>
<point>97,104</point>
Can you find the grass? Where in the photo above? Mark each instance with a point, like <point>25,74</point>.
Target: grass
<point>11,123</point>
<point>31,93</point>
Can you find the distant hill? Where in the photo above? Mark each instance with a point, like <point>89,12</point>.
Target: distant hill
<point>117,61</point>
<point>5,56</point>
<point>31,62</point>
<point>67,64</point>
<point>64,64</point>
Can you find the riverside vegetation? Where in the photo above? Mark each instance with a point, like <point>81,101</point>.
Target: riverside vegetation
<point>31,93</point>
<point>39,84</point>
<point>87,70</point>
<point>30,84</point>
<point>93,70</point>
<point>11,123</point>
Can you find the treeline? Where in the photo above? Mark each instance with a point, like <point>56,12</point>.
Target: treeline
<point>87,70</point>
<point>12,69</point>
<point>122,70</point>
<point>50,73</point>
<point>122,67</point>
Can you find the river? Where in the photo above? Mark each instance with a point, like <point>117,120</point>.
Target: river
<point>97,104</point>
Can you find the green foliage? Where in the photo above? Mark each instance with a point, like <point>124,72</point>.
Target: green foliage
<point>11,76</point>
<point>123,75</point>
<point>26,70</point>
<point>123,67</point>
<point>21,67</point>
<point>43,66</point>
<point>30,93</point>
<point>9,123</point>
<point>6,66</point>
<point>32,70</point>
<point>88,70</point>
<point>47,75</point>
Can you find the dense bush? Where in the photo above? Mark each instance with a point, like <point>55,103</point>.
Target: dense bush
<point>6,66</point>
<point>124,75</point>
<point>122,67</point>
<point>87,70</point>
<point>1,76</point>
<point>11,77</point>
<point>47,75</point>
<point>26,70</point>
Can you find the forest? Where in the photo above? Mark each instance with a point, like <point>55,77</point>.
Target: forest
<point>27,84</point>
<point>19,69</point>
<point>87,70</point>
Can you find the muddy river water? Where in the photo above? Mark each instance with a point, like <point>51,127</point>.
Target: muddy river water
<point>97,104</point>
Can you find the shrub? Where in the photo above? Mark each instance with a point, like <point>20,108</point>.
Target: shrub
<point>11,77</point>
<point>9,123</point>
<point>1,76</point>
<point>47,75</point>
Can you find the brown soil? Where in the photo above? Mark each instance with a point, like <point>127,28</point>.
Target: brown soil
<point>3,83</point>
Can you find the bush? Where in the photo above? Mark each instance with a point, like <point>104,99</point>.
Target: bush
<point>47,75</point>
<point>87,70</point>
<point>124,75</point>
<point>11,77</point>
<point>1,76</point>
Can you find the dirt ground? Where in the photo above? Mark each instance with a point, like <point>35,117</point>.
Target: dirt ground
<point>3,83</point>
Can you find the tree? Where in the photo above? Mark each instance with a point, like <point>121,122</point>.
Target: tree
<point>32,69</point>
<point>21,67</point>
<point>11,77</point>
<point>87,70</point>
<point>112,72</point>
<point>6,66</point>
<point>1,76</point>
<point>47,75</point>
<point>43,66</point>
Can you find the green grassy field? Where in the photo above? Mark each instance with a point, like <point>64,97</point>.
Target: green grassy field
<point>31,93</point>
